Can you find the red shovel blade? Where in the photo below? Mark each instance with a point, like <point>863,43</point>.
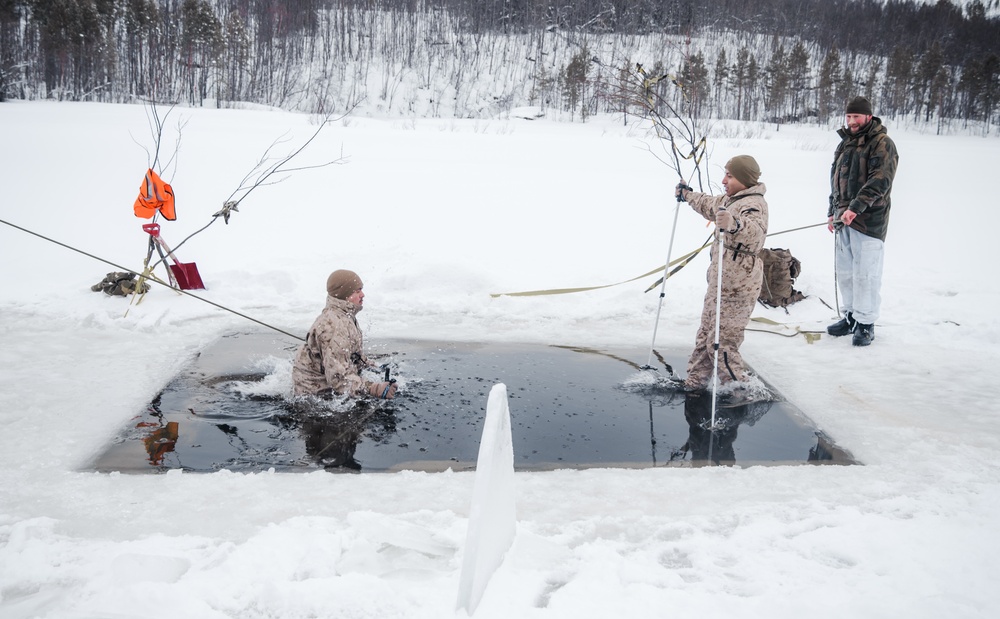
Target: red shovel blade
<point>187,276</point>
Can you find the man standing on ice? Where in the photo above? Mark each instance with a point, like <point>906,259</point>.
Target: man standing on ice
<point>740,218</point>
<point>332,357</point>
<point>861,181</point>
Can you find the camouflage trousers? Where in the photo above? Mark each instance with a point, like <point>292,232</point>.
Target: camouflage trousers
<point>741,282</point>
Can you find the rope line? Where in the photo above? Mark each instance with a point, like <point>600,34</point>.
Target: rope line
<point>154,279</point>
<point>682,261</point>
<point>532,293</point>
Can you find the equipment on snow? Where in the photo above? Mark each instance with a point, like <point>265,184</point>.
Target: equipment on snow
<point>183,274</point>
<point>120,283</point>
<point>766,325</point>
<point>145,276</point>
<point>780,270</point>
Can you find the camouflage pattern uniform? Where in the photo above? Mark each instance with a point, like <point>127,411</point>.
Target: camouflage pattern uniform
<point>861,178</point>
<point>331,359</point>
<point>742,273</point>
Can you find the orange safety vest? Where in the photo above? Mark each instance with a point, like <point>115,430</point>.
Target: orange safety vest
<point>154,194</point>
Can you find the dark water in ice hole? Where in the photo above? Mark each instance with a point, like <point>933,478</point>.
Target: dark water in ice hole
<point>570,408</point>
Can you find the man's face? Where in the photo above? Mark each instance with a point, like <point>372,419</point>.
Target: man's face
<point>732,185</point>
<point>856,122</point>
<point>357,297</point>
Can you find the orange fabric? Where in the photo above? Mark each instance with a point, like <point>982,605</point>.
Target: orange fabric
<point>154,194</point>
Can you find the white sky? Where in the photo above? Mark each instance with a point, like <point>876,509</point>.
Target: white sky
<point>435,216</point>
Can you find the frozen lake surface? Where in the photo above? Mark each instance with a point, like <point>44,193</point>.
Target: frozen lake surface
<point>570,407</point>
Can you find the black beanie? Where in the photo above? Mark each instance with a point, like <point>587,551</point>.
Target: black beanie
<point>859,105</point>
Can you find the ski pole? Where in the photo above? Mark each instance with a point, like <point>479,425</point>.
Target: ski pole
<point>385,392</point>
<point>836,280</point>
<point>718,315</point>
<point>663,285</point>
<point>652,433</point>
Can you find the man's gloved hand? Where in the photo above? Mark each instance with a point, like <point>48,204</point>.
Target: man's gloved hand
<point>725,221</point>
<point>384,390</point>
<point>679,193</point>
<point>848,217</point>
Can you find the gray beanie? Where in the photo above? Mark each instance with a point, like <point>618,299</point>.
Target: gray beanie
<point>342,284</point>
<point>745,169</point>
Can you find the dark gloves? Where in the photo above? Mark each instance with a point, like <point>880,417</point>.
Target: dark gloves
<point>679,192</point>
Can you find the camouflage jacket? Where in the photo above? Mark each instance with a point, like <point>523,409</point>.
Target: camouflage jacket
<point>749,209</point>
<point>331,359</point>
<point>861,178</point>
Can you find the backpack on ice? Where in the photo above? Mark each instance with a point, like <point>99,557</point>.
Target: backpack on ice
<point>780,270</point>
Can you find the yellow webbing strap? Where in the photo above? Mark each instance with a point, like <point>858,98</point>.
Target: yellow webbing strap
<point>811,336</point>
<point>138,294</point>
<point>550,291</point>
<point>682,261</point>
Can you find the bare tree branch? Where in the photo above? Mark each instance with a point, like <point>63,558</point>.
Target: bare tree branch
<point>266,167</point>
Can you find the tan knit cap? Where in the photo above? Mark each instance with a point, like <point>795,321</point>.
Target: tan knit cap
<point>343,283</point>
<point>745,169</point>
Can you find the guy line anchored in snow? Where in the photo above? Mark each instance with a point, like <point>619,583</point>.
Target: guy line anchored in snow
<point>302,339</point>
<point>155,279</point>
<point>677,263</point>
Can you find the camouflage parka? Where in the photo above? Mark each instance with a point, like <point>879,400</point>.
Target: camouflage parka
<point>331,359</point>
<point>749,208</point>
<point>861,178</point>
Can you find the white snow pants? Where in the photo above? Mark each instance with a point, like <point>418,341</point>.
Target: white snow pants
<point>859,272</point>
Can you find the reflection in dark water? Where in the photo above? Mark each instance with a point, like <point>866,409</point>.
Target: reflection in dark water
<point>827,452</point>
<point>571,407</point>
<point>331,445</point>
<point>159,436</point>
<point>331,438</point>
<point>270,432</point>
<point>708,443</point>
<point>160,439</point>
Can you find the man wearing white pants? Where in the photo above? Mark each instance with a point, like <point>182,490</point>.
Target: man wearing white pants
<point>861,182</point>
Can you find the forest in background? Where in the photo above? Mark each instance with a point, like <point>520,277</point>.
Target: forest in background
<point>764,60</point>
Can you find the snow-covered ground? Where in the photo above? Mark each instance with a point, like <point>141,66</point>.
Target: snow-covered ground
<point>435,215</point>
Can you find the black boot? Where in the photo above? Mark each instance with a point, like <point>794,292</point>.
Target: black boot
<point>843,326</point>
<point>864,334</point>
